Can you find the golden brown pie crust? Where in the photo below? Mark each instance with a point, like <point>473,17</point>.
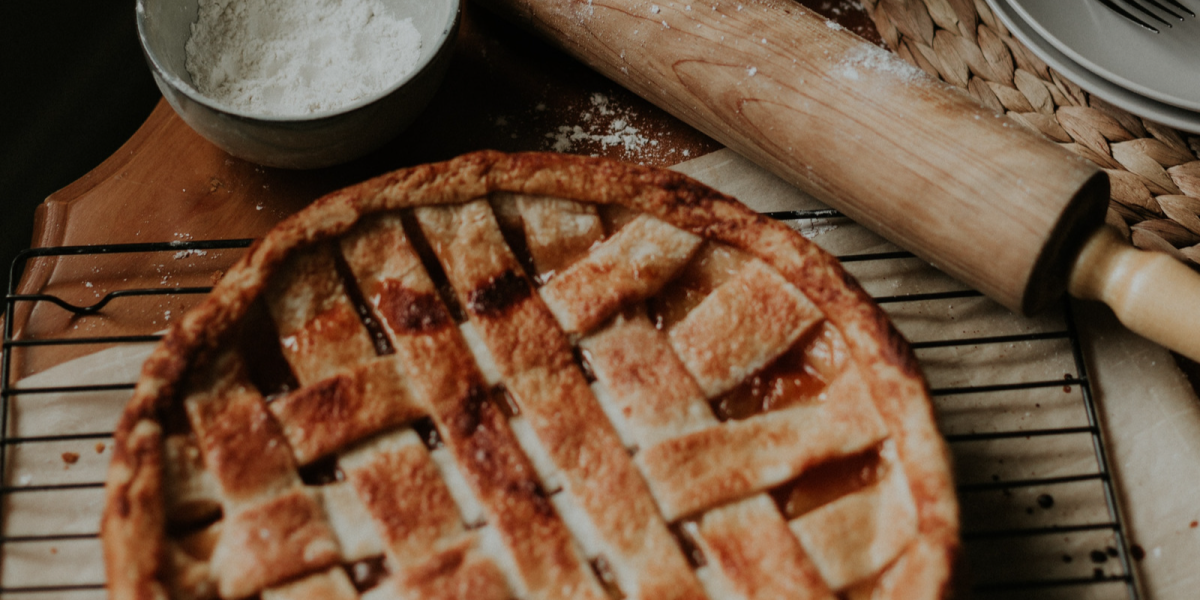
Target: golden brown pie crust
<point>134,521</point>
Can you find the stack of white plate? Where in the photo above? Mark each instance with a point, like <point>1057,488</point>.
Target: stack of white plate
<point>1152,75</point>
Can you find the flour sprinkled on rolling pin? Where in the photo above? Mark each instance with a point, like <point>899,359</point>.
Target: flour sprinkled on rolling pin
<point>879,60</point>
<point>298,57</point>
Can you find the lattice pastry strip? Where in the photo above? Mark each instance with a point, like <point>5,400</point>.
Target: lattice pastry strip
<point>403,491</point>
<point>500,475</point>
<point>283,536</point>
<point>645,388</point>
<point>346,396</point>
<point>856,536</point>
<point>538,367</point>
<point>738,458</point>
<point>351,522</point>
<point>712,265</point>
<point>347,407</point>
<point>741,327</point>
<point>474,576</point>
<point>273,529</point>
<point>753,555</point>
<point>333,584</point>
<point>242,444</point>
<point>189,573</point>
<point>557,231</point>
<point>631,265</point>
<point>192,494</point>
<point>419,522</point>
<point>318,325</point>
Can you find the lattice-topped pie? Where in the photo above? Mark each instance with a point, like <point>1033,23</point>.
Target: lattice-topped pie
<point>531,376</point>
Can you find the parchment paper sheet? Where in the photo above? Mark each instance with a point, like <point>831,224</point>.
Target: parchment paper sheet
<point>1151,418</point>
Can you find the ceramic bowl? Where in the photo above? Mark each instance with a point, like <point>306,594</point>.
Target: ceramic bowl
<point>317,140</point>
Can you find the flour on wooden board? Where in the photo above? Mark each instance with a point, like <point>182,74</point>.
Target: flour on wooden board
<point>616,130</point>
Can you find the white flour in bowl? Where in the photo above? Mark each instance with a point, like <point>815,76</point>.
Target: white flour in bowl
<point>289,58</point>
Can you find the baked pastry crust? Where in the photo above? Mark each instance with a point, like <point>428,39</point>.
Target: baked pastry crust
<point>906,523</point>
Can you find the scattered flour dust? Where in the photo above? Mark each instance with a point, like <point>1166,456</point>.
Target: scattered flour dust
<point>298,57</point>
<point>606,124</point>
<point>839,7</point>
<point>873,58</point>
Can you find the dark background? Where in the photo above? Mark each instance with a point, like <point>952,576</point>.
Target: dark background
<point>73,88</point>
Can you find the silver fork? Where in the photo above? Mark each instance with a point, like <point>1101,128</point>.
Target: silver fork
<point>1137,4</point>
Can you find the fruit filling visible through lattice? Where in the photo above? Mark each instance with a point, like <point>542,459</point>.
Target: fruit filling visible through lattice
<point>528,397</point>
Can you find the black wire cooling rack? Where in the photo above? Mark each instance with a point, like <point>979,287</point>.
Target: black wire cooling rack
<point>1102,569</point>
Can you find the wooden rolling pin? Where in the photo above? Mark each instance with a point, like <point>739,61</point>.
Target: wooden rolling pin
<point>911,158</point>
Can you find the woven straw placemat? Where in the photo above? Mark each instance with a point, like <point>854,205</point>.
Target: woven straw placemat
<point>1154,170</point>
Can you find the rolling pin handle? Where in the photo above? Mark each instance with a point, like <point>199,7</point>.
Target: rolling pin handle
<point>1151,293</point>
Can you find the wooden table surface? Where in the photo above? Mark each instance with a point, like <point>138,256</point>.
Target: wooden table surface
<point>504,90</point>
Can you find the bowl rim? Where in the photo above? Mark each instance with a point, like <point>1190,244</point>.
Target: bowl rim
<point>187,89</point>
